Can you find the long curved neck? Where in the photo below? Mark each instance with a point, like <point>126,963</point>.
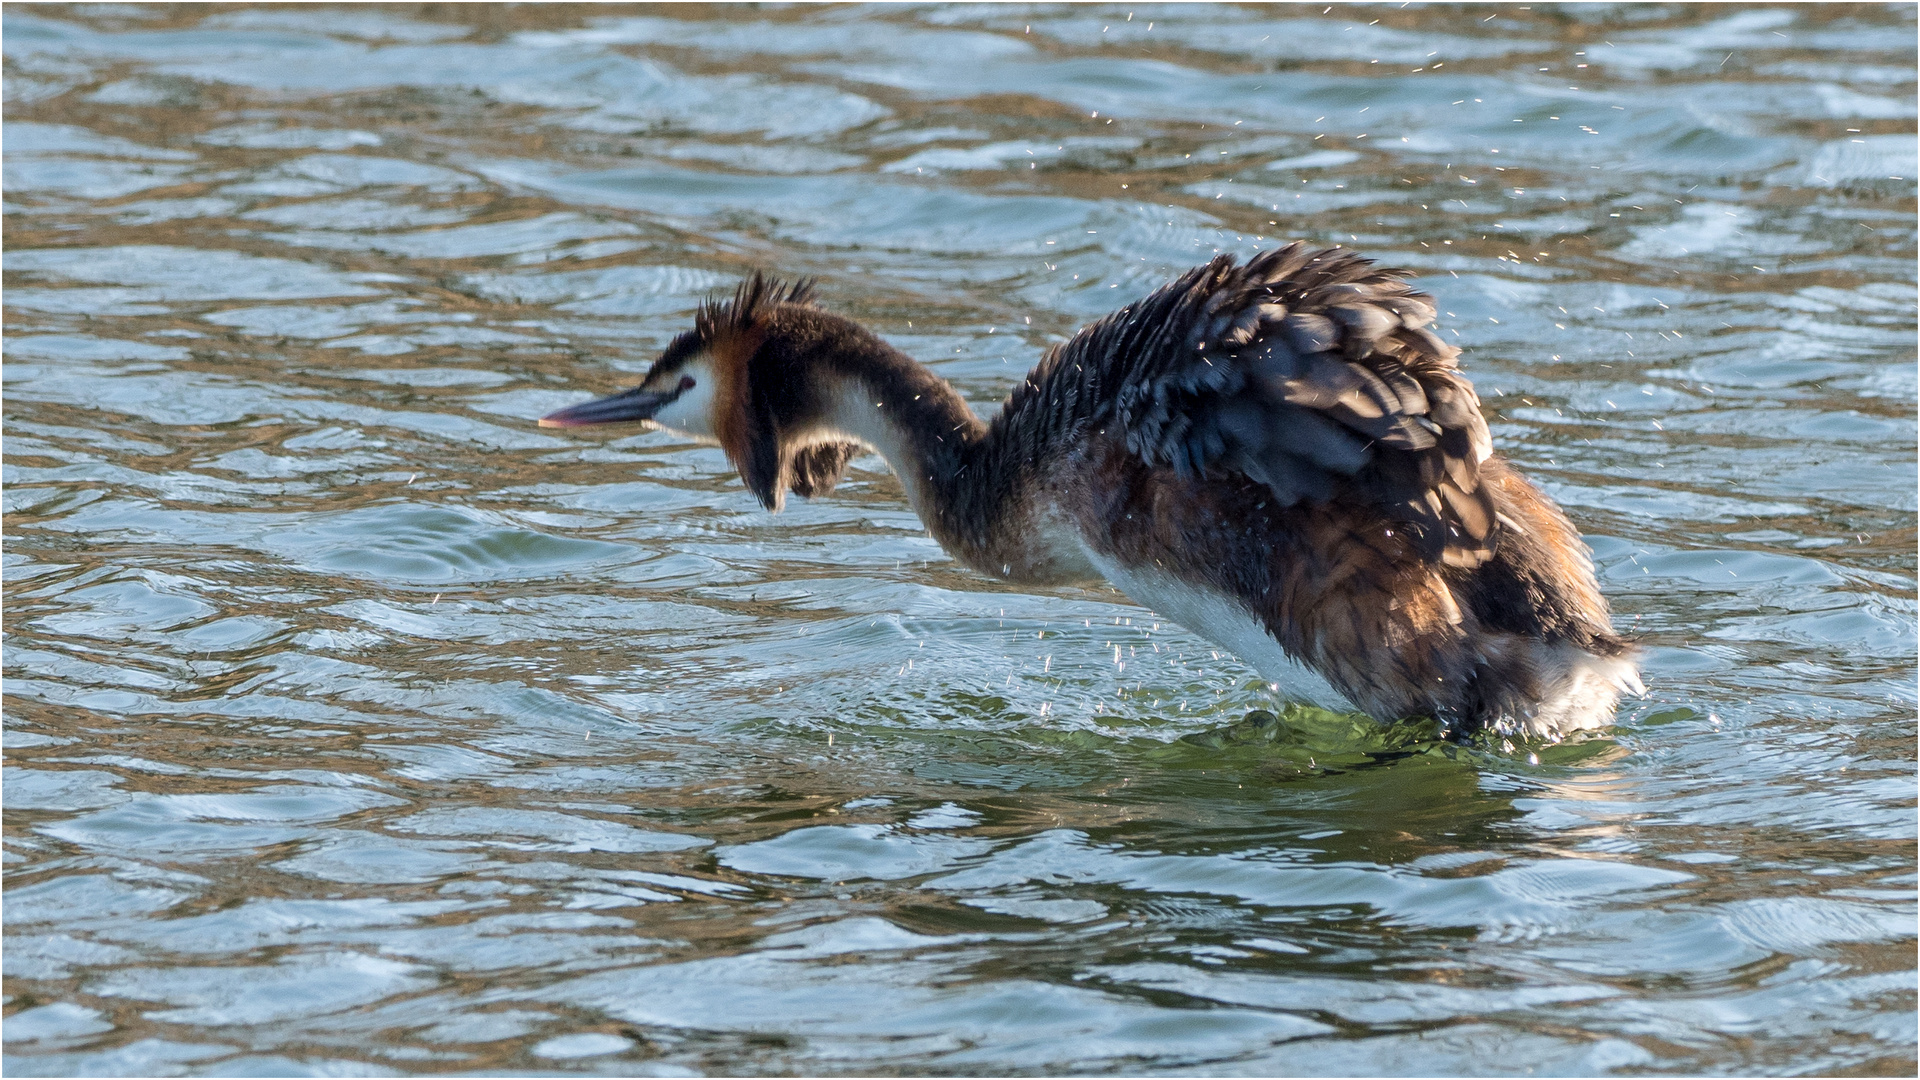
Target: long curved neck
<point>928,435</point>
<point>978,487</point>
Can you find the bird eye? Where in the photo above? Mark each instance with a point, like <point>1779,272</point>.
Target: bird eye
<point>686,383</point>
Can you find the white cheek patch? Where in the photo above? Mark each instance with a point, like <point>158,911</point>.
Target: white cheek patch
<point>692,412</point>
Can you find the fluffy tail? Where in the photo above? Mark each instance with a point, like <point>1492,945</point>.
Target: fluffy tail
<point>1533,688</point>
<point>1548,660</point>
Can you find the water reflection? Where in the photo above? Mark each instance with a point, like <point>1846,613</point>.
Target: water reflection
<point>353,724</point>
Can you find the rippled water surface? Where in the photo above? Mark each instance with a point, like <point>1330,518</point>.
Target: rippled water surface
<point>355,725</point>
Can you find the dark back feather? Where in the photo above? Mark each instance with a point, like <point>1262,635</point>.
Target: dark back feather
<point>1311,372</point>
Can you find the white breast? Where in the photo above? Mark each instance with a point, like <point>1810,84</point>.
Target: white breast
<point>1226,622</point>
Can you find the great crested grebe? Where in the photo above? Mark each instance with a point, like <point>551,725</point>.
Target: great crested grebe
<point>1279,456</point>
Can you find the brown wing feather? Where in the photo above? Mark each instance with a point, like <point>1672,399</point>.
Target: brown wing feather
<point>1312,372</point>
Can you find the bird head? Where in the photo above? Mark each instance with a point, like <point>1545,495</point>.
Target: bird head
<point>735,382</point>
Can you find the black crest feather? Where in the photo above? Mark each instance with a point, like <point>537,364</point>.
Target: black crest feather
<point>752,300</point>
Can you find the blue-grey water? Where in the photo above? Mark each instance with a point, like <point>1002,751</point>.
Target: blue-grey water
<point>356,726</point>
